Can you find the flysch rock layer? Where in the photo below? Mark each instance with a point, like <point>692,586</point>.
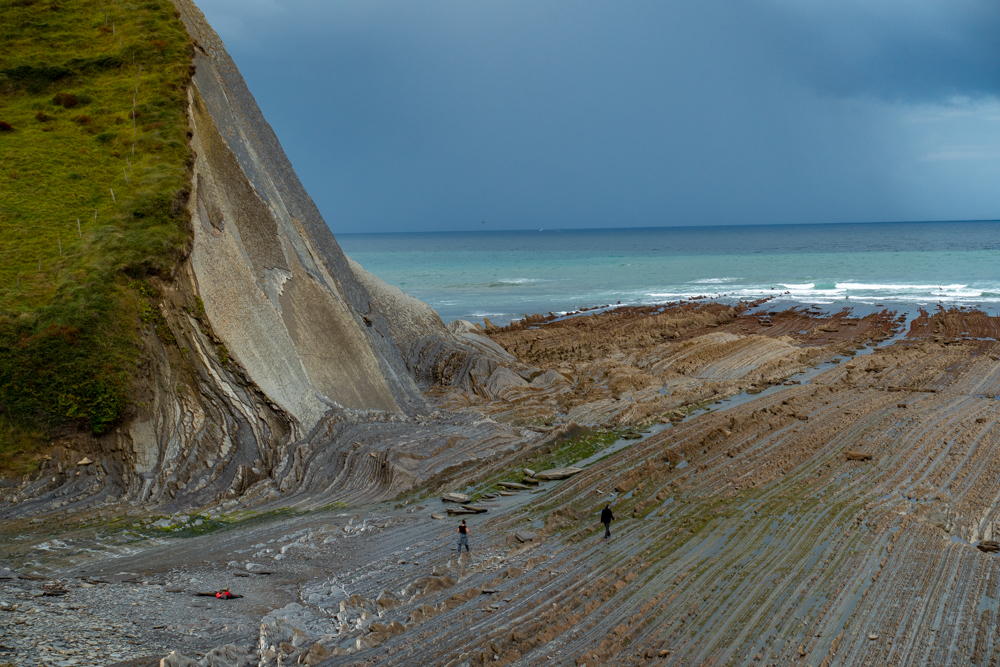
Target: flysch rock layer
<point>631,364</point>
<point>275,285</point>
<point>744,536</point>
<point>291,364</point>
<point>766,546</point>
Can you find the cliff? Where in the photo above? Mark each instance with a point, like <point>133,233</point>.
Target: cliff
<point>275,365</point>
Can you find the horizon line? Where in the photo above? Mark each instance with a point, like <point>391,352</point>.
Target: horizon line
<point>649,227</point>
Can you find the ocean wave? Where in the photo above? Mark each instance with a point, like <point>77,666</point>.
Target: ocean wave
<point>891,287</point>
<point>711,281</point>
<point>512,282</point>
<point>834,290</point>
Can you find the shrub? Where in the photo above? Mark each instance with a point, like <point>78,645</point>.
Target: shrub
<point>5,126</point>
<point>43,117</point>
<point>65,100</point>
<point>36,78</point>
<point>82,120</point>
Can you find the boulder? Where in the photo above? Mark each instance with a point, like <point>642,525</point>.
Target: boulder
<point>437,515</point>
<point>455,498</point>
<point>989,546</point>
<point>229,655</point>
<point>525,536</point>
<point>854,455</point>
<point>474,509</point>
<point>300,638</point>
<point>528,471</point>
<point>175,659</point>
<point>512,485</point>
<point>316,654</point>
<point>387,600</point>
<point>558,473</point>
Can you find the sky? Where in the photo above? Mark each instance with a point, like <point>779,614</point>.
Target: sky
<point>450,115</point>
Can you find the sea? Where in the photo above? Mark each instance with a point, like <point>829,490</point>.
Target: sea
<point>503,275</point>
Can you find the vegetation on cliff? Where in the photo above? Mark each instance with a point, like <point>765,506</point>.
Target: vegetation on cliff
<point>94,163</point>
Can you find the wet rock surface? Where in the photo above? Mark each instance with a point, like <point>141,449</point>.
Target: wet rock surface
<point>748,524</point>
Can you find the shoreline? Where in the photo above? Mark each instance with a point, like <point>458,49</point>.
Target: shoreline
<point>749,469</point>
<point>857,308</point>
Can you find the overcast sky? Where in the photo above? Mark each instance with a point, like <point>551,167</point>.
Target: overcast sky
<point>437,115</point>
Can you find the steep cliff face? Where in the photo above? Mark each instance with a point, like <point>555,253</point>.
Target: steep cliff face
<point>285,342</point>
<point>279,368</point>
<point>275,284</point>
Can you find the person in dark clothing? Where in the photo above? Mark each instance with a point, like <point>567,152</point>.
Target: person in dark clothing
<point>463,537</point>
<point>606,518</point>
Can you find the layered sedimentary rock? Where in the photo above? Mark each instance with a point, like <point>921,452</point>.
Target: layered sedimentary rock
<point>631,365</point>
<point>283,361</point>
<point>751,536</point>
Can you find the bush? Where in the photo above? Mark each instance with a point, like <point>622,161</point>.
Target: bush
<point>36,78</point>
<point>5,126</point>
<point>65,100</point>
<point>61,372</point>
<point>43,117</point>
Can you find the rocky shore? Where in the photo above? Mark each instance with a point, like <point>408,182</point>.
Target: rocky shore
<point>827,514</point>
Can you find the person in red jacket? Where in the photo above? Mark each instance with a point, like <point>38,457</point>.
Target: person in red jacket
<point>463,537</point>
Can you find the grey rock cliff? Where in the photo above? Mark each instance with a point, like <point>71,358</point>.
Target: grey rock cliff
<point>295,371</point>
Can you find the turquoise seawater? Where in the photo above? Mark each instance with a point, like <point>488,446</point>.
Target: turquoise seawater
<point>503,275</point>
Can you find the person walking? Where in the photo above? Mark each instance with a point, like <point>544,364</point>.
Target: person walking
<point>463,537</point>
<point>606,518</point>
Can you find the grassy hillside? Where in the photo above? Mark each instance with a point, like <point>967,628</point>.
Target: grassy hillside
<point>72,293</point>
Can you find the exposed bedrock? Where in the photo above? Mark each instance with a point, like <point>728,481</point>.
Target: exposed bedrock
<point>634,365</point>
<point>272,337</point>
<point>768,544</point>
<point>283,368</point>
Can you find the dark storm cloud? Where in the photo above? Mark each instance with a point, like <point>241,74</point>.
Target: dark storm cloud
<point>898,49</point>
<point>437,115</point>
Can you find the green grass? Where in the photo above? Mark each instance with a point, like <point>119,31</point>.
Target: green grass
<point>72,297</point>
<point>564,454</point>
<point>17,439</point>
